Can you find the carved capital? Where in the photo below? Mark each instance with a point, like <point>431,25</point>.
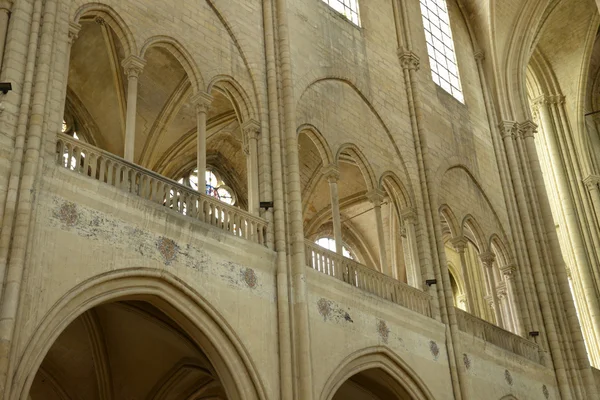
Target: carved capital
<point>376,196</point>
<point>403,232</point>
<point>508,129</point>
<point>592,182</point>
<point>74,29</point>
<point>408,215</point>
<point>488,259</point>
<point>202,101</point>
<point>250,131</point>
<point>509,271</point>
<point>459,243</point>
<point>479,55</point>
<point>408,59</point>
<point>133,66</point>
<point>6,5</point>
<point>528,129</point>
<point>331,173</point>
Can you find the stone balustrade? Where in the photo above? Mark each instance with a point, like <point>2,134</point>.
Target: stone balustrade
<point>495,335</point>
<point>367,279</point>
<point>98,164</point>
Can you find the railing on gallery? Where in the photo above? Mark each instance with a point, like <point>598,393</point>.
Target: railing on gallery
<point>367,279</point>
<point>495,335</point>
<point>98,164</point>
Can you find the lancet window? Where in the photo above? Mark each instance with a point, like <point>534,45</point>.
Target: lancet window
<point>348,8</point>
<point>440,47</point>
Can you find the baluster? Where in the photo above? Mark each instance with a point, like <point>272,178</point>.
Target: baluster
<point>69,156</point>
<point>102,169</point>
<point>93,165</point>
<point>59,151</point>
<point>86,162</point>
<point>261,234</point>
<point>110,172</point>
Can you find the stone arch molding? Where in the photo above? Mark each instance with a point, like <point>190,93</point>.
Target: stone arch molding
<point>114,20</point>
<point>377,357</point>
<point>333,74</point>
<point>181,54</point>
<point>236,93</point>
<point>186,307</point>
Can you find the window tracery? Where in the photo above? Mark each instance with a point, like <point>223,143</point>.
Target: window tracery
<point>348,8</point>
<point>440,47</point>
<point>214,186</point>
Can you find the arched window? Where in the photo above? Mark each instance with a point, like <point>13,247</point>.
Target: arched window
<point>348,8</point>
<point>214,186</point>
<point>329,244</point>
<point>440,47</point>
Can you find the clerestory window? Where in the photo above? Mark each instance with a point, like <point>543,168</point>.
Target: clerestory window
<point>440,47</point>
<point>348,8</point>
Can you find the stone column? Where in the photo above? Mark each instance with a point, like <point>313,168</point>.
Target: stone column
<point>5,7</point>
<point>509,273</point>
<point>505,306</point>
<point>488,259</point>
<point>413,270</point>
<point>250,132</point>
<point>592,182</point>
<point>332,174</point>
<point>73,33</point>
<point>202,101</point>
<point>460,245</point>
<point>133,66</point>
<point>376,198</point>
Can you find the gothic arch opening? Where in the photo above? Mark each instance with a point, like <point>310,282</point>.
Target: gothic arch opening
<point>139,333</point>
<point>126,349</point>
<point>372,384</point>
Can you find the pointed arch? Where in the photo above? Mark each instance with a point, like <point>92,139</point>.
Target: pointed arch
<point>353,153</point>
<point>319,141</point>
<point>113,19</point>
<point>470,223</point>
<point>236,93</point>
<point>175,298</point>
<point>503,255</point>
<point>181,54</point>
<point>395,188</point>
<point>448,215</point>
<point>377,357</point>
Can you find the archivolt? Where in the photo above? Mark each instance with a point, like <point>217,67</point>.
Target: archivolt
<point>173,297</point>
<point>234,91</point>
<point>113,19</point>
<point>361,161</point>
<point>181,54</point>
<point>319,141</point>
<point>384,359</point>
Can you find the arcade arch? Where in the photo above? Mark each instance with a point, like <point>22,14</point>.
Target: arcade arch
<point>116,323</point>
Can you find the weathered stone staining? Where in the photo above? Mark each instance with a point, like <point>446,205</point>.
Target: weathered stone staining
<point>171,172</point>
